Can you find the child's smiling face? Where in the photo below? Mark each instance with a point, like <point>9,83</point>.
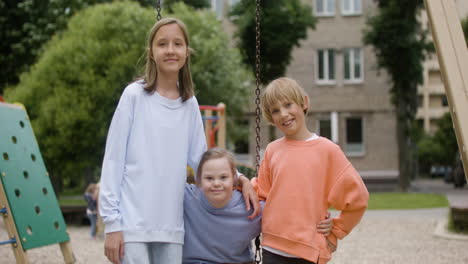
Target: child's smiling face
<point>217,181</point>
<point>169,49</point>
<point>289,117</point>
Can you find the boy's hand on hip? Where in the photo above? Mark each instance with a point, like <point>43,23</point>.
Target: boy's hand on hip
<point>114,247</point>
<point>325,226</point>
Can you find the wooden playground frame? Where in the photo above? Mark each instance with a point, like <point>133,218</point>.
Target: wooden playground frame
<point>453,59</point>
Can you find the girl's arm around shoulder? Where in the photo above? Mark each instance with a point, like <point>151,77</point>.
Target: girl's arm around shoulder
<point>250,196</point>
<point>262,183</point>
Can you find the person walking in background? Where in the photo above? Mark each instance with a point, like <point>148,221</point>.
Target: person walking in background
<point>90,197</point>
<point>300,177</point>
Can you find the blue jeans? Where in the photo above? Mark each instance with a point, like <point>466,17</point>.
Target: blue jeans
<point>92,220</point>
<point>152,253</point>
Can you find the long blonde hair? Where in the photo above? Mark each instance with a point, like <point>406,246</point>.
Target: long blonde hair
<point>151,72</point>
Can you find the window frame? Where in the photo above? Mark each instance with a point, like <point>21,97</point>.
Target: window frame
<point>326,80</point>
<point>362,152</point>
<point>325,12</point>
<point>352,63</point>
<point>352,11</point>
<point>319,127</point>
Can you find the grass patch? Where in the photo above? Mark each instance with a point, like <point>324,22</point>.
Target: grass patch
<point>395,200</point>
<point>377,201</point>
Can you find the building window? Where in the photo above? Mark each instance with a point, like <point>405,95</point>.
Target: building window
<point>444,100</point>
<point>351,7</point>
<point>354,136</point>
<point>218,7</point>
<point>353,65</point>
<point>324,128</point>
<point>325,66</point>
<point>325,7</point>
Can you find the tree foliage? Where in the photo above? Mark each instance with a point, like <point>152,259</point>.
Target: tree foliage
<point>440,148</point>
<point>27,24</point>
<point>400,46</point>
<point>283,24</point>
<point>197,4</point>
<point>73,89</point>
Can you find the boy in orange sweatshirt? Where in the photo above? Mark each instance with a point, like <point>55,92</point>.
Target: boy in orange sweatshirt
<point>300,177</point>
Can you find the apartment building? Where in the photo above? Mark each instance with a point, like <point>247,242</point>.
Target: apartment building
<point>350,99</point>
<point>432,101</point>
<point>349,96</point>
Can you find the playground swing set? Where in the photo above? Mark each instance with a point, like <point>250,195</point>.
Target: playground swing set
<point>27,200</point>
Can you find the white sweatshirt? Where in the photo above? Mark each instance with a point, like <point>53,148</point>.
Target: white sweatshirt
<point>150,142</point>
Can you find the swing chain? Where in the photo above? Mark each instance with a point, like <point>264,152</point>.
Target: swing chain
<point>257,90</point>
<point>158,9</point>
<point>258,253</point>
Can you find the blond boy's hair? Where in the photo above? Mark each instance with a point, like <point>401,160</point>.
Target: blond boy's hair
<point>280,90</point>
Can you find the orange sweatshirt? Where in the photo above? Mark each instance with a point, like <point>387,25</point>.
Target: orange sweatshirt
<point>299,181</point>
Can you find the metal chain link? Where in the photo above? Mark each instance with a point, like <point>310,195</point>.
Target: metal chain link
<point>258,255</point>
<point>158,9</point>
<point>257,89</point>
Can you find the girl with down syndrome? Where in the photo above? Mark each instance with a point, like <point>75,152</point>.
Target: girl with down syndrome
<point>216,224</point>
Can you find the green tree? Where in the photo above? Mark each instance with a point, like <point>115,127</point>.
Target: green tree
<point>283,24</point>
<point>400,45</point>
<point>73,89</point>
<point>440,148</point>
<point>445,137</point>
<point>27,24</point>
<point>197,4</point>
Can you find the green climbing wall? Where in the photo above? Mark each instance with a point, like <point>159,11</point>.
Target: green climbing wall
<point>32,200</point>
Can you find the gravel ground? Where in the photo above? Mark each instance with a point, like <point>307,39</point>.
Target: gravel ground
<point>387,236</point>
<point>400,236</point>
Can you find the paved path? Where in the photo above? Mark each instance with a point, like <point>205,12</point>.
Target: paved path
<point>406,236</point>
<point>400,236</point>
<point>382,237</point>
